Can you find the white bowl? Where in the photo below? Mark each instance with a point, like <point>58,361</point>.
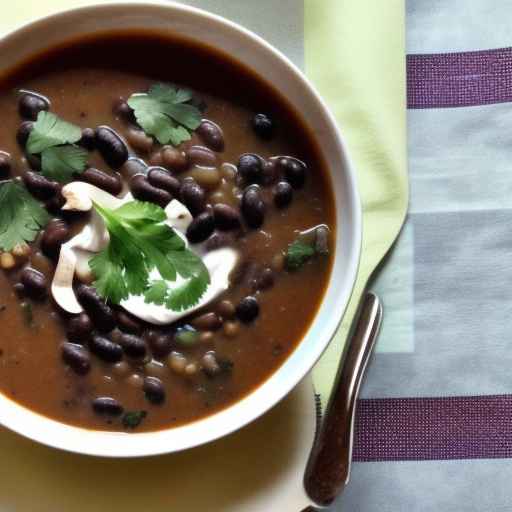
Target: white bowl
<point>253,51</point>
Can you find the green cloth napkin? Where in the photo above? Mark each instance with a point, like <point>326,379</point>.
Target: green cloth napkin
<point>355,56</point>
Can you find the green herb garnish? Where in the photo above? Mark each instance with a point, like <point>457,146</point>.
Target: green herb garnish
<point>141,242</point>
<point>307,245</point>
<point>297,254</point>
<point>166,113</point>
<point>132,419</point>
<point>22,217</point>
<point>54,139</point>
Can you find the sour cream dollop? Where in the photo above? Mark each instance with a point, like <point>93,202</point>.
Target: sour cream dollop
<point>93,238</point>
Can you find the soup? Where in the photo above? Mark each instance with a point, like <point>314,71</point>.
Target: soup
<point>127,316</point>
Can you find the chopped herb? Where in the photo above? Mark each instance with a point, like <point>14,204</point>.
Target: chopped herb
<point>167,113</point>
<point>132,419</point>
<point>54,139</point>
<point>140,242</point>
<point>22,216</point>
<point>28,314</point>
<point>186,335</point>
<point>298,253</point>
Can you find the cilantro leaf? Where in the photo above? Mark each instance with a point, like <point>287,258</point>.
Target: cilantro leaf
<point>22,217</point>
<point>298,253</point>
<point>141,241</point>
<point>132,419</point>
<point>165,113</point>
<point>49,131</point>
<point>61,162</point>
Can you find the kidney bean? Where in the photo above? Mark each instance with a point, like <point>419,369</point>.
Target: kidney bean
<point>248,309</point>
<point>39,186</point>
<point>253,207</point>
<point>162,178</point>
<point>80,329</point>
<point>99,311</point>
<point>128,323</point>
<point>161,345</point>
<point>110,183</point>
<point>144,191</point>
<point>88,140</point>
<point>111,147</point>
<point>283,194</point>
<point>123,111</point>
<point>193,197</point>
<point>31,103</point>
<point>34,283</point>
<point>263,126</point>
<point>5,164</point>
<point>134,166</point>
<point>202,156</point>
<point>133,345</point>
<point>200,228</point>
<point>77,357</point>
<point>139,140</point>
<point>107,406</point>
<point>226,217</point>
<point>294,171</point>
<point>34,161</point>
<point>174,159</point>
<point>226,309</point>
<point>206,177</point>
<point>218,240</point>
<point>105,349</point>
<point>55,204</point>
<point>154,390</point>
<point>55,234</point>
<point>211,134</point>
<point>23,132</point>
<point>207,322</point>
<point>250,168</point>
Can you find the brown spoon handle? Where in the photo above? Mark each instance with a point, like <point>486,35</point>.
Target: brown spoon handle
<point>328,469</point>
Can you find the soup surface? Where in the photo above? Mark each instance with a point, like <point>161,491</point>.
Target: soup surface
<point>277,214</point>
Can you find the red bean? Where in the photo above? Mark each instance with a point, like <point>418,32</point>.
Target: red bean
<point>110,183</point>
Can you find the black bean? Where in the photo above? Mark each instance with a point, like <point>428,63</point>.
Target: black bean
<point>263,126</point>
<point>161,345</point>
<point>218,240</point>
<point>108,406</point>
<point>77,357</point>
<point>207,322</point>
<point>294,171</point>
<point>105,349</point>
<point>30,104</point>
<point>122,110</point>
<point>263,280</point>
<point>128,323</point>
<point>39,186</point>
<point>111,147</point>
<point>34,283</point>
<point>55,234</point>
<point>211,134</point>
<point>110,183</point>
<point>88,140</point>
<point>200,228</point>
<point>19,289</point>
<point>23,132</point>
<point>193,197</point>
<point>248,309</point>
<point>154,390</point>
<point>55,204</point>
<point>253,207</point>
<point>174,159</point>
<point>250,168</point>
<point>226,217</point>
<point>133,345</point>
<point>80,329</point>
<point>99,311</point>
<point>162,178</point>
<point>134,166</point>
<point>201,156</point>
<point>270,173</point>
<point>5,164</point>
<point>283,194</point>
<point>144,191</point>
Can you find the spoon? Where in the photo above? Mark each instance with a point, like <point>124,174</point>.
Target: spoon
<point>328,469</point>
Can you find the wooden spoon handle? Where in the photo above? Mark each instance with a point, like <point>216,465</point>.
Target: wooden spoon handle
<point>328,469</point>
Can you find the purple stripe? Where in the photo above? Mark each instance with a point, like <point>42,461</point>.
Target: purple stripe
<point>472,427</point>
<point>459,79</point>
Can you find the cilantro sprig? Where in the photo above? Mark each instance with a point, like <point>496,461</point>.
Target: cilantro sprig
<point>54,139</point>
<point>306,247</point>
<point>141,242</point>
<point>22,217</point>
<point>166,113</point>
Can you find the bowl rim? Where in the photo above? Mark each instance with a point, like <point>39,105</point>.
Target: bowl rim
<point>53,433</point>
